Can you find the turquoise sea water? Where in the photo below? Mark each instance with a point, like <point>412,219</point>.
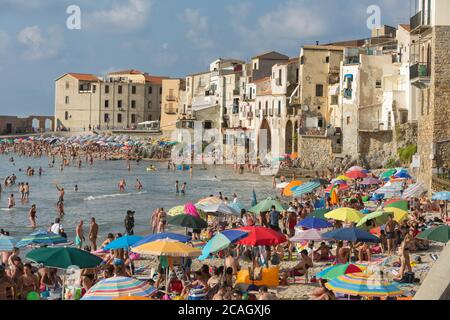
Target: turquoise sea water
<point>98,195</point>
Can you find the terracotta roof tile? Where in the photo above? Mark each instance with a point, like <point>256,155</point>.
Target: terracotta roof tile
<point>84,77</point>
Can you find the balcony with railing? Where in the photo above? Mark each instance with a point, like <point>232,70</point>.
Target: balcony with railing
<point>420,73</point>
<point>170,110</point>
<point>171,97</point>
<point>419,22</point>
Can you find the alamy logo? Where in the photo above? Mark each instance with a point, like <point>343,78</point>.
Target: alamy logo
<point>374,19</point>
<point>73,22</point>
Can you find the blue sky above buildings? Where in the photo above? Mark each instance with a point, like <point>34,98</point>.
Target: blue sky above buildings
<point>162,37</point>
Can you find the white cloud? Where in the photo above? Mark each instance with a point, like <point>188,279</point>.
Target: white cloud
<point>124,17</point>
<point>39,45</point>
<point>21,4</point>
<point>4,40</point>
<point>165,46</point>
<point>197,28</point>
<point>292,21</point>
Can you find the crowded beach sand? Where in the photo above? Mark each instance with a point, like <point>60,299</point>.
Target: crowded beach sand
<point>308,241</point>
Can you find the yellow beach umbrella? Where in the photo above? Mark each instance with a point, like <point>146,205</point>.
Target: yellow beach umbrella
<point>209,201</point>
<point>287,192</point>
<point>175,211</point>
<point>342,177</point>
<point>399,214</point>
<point>345,214</point>
<point>168,248</point>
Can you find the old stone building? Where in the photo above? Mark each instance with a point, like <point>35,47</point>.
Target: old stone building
<point>430,72</point>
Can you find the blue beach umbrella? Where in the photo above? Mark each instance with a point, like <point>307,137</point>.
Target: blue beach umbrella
<point>351,234</point>
<point>124,242</point>
<point>314,223</point>
<point>7,244</point>
<point>441,196</point>
<point>254,201</point>
<point>162,236</point>
<point>237,206</point>
<point>41,238</point>
<point>402,175</point>
<point>221,241</point>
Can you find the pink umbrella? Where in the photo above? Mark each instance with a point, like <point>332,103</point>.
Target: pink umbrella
<point>355,168</point>
<point>355,174</point>
<point>370,181</point>
<point>190,209</point>
<point>307,235</point>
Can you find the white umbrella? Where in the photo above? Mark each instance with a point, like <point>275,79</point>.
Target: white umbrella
<point>307,235</point>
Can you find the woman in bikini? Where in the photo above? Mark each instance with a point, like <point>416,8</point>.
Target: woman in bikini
<point>32,216</point>
<point>28,282</point>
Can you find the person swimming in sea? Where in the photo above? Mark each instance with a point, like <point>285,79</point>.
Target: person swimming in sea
<point>177,187</point>
<point>183,188</point>
<point>11,201</point>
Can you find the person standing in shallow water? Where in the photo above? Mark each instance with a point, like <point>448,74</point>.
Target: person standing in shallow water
<point>129,223</point>
<point>93,234</point>
<point>32,216</point>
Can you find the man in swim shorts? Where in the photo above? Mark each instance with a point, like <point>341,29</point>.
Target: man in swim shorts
<point>79,235</point>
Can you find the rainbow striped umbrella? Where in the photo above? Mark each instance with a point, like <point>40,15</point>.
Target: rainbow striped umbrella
<point>115,287</point>
<point>41,238</point>
<point>365,285</point>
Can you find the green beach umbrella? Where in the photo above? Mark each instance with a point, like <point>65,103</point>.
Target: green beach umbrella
<point>388,173</point>
<point>339,270</point>
<point>438,234</point>
<point>63,258</point>
<point>319,213</point>
<point>381,217</point>
<point>188,221</point>
<point>399,204</point>
<point>266,206</point>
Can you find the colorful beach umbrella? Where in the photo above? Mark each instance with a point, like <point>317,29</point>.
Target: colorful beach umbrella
<point>305,188</point>
<point>381,217</point>
<point>355,168</point>
<point>266,206</point>
<point>356,174</point>
<point>124,242</point>
<point>167,248</point>
<point>441,196</point>
<point>7,244</point>
<point>397,203</point>
<point>115,287</point>
<point>188,221</point>
<point>403,174</point>
<point>369,181</point>
<point>287,192</point>
<point>307,235</point>
<point>209,200</point>
<point>237,206</point>
<point>361,284</point>
<point>345,214</point>
<point>437,234</point>
<point>314,223</point>
<point>64,257</point>
<point>175,211</point>
<point>221,241</point>
<point>414,190</point>
<point>261,236</point>
<point>41,238</point>
<point>388,173</point>
<point>338,270</point>
<point>218,208</point>
<point>399,214</point>
<point>342,187</point>
<point>161,236</point>
<point>190,209</point>
<point>351,234</point>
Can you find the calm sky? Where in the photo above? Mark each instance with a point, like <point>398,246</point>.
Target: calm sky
<point>162,37</point>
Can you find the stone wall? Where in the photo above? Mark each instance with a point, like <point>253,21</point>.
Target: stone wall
<point>315,152</point>
<point>406,134</point>
<point>376,148</point>
<point>434,122</point>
